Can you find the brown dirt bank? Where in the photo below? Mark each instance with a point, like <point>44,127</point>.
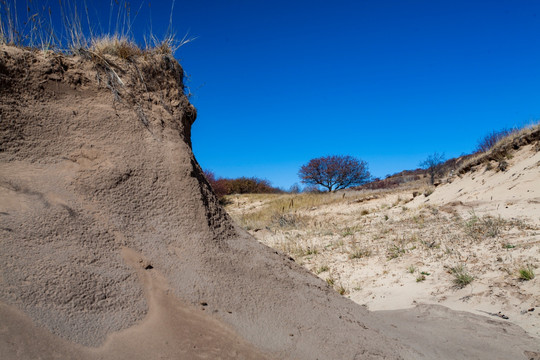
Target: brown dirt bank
<point>114,246</point>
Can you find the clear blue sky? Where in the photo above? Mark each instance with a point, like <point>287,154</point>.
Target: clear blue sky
<point>277,83</point>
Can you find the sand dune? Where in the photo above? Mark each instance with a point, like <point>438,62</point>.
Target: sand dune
<point>113,245</point>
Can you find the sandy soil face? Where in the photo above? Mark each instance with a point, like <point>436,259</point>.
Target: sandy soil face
<point>463,246</point>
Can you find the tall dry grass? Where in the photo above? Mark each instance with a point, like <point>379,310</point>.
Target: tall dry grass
<point>502,148</point>
<point>286,210</point>
<point>70,27</point>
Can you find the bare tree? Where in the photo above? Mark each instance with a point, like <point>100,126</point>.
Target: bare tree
<point>335,172</point>
<point>434,165</point>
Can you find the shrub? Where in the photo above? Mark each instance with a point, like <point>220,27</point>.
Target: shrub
<point>393,181</point>
<point>241,185</point>
<point>488,141</point>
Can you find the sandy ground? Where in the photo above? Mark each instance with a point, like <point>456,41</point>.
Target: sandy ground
<point>394,251</point>
<point>113,245</point>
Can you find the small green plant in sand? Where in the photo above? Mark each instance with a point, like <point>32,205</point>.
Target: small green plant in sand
<point>422,276</point>
<point>342,290</point>
<point>411,269</point>
<point>526,273</point>
<point>396,249</point>
<point>508,246</point>
<point>348,231</point>
<point>321,269</point>
<point>358,253</point>
<point>311,250</point>
<point>461,277</point>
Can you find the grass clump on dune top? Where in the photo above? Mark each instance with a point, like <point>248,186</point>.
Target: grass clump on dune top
<point>67,28</point>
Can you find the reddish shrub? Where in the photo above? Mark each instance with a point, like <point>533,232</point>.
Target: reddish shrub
<point>241,185</point>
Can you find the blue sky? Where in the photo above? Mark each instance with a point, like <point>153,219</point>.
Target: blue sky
<point>277,83</point>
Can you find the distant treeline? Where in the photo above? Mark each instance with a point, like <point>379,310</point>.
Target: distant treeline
<point>241,185</point>
<point>253,185</point>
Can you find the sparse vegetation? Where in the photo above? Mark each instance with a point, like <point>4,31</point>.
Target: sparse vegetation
<point>502,148</point>
<point>347,232</point>
<point>322,268</point>
<point>461,277</point>
<point>358,253</point>
<point>526,273</point>
<point>286,220</point>
<point>423,234</point>
<point>487,226</point>
<point>490,140</point>
<point>395,250</point>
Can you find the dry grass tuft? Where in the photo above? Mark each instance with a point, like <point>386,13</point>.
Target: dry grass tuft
<point>69,28</point>
<point>118,46</point>
<point>461,277</point>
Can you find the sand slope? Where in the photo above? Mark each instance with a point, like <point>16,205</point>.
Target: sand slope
<point>114,246</point>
